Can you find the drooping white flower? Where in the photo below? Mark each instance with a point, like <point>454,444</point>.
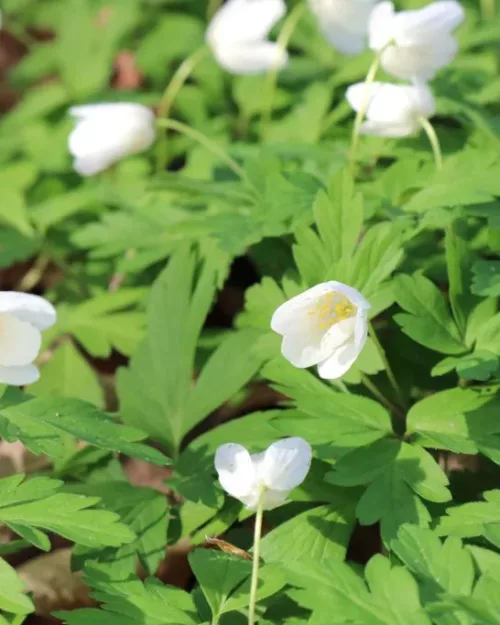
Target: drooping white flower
<point>344,23</point>
<point>393,110</point>
<point>325,326</point>
<point>106,133</point>
<point>271,474</point>
<point>418,42</point>
<point>22,318</point>
<point>237,36</point>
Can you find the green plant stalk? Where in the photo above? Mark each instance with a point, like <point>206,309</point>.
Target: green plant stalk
<point>203,140</point>
<point>377,393</point>
<point>289,26</point>
<point>360,114</point>
<point>183,72</point>
<point>213,6</point>
<point>256,556</point>
<point>388,369</point>
<point>487,9</point>
<point>19,619</point>
<point>434,141</point>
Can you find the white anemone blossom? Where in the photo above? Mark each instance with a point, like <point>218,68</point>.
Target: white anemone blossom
<point>269,476</point>
<point>344,23</point>
<point>417,42</point>
<point>393,110</point>
<point>237,36</point>
<point>106,133</point>
<point>326,325</point>
<point>22,318</point>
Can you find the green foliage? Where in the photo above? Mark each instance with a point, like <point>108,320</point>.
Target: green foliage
<point>165,279</point>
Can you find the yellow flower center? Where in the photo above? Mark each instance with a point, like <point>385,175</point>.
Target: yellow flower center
<point>332,308</point>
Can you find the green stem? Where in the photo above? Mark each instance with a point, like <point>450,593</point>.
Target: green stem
<point>35,274</point>
<point>289,26</point>
<point>256,556</point>
<point>488,9</point>
<point>433,140</point>
<point>377,393</point>
<point>360,114</point>
<point>18,619</point>
<point>341,386</point>
<point>173,124</point>
<point>388,369</point>
<point>183,72</point>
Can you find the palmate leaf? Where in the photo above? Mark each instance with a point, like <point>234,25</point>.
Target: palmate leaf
<point>461,420</point>
<point>37,503</point>
<point>156,391</point>
<point>337,594</point>
<point>133,602</point>
<point>43,425</point>
<point>398,475</point>
<point>426,318</point>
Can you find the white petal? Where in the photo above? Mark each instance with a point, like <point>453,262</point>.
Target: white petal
<point>384,129</point>
<point>105,133</point>
<point>250,58</point>
<point>345,41</point>
<point>340,362</point>
<point>239,21</point>
<point>381,25</point>
<point>20,341</point>
<point>285,316</point>
<point>427,24</point>
<point>236,470</point>
<point>19,376</point>
<point>409,62</point>
<point>285,464</point>
<point>31,308</point>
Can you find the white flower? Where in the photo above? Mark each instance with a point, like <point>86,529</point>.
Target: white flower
<point>271,474</point>
<point>22,317</point>
<point>419,42</point>
<point>106,133</point>
<point>237,36</point>
<point>325,326</point>
<point>344,22</point>
<point>393,110</point>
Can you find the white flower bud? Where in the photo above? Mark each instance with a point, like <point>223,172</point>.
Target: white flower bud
<point>22,318</point>
<point>106,133</point>
<point>237,36</point>
<point>270,475</point>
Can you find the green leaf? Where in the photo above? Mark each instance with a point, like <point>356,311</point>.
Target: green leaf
<point>133,602</point>
<point>37,503</point>
<point>394,472</point>
<point>68,374</point>
<point>486,278</point>
<point>12,597</point>
<point>459,260</point>
<point>155,389</point>
<point>427,319</point>
<point>320,534</point>
<point>479,518</point>
<point>219,382</point>
<point>461,420</point>
<point>218,574</point>
<point>42,423</point>
<point>423,553</point>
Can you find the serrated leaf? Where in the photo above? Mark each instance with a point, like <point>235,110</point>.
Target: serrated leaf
<point>427,319</point>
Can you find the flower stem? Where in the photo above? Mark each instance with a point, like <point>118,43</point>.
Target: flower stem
<point>388,369</point>
<point>183,72</point>
<point>377,393</point>
<point>289,26</point>
<point>360,114</point>
<point>433,140</point>
<point>256,556</point>
<point>173,124</point>
<point>487,9</point>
